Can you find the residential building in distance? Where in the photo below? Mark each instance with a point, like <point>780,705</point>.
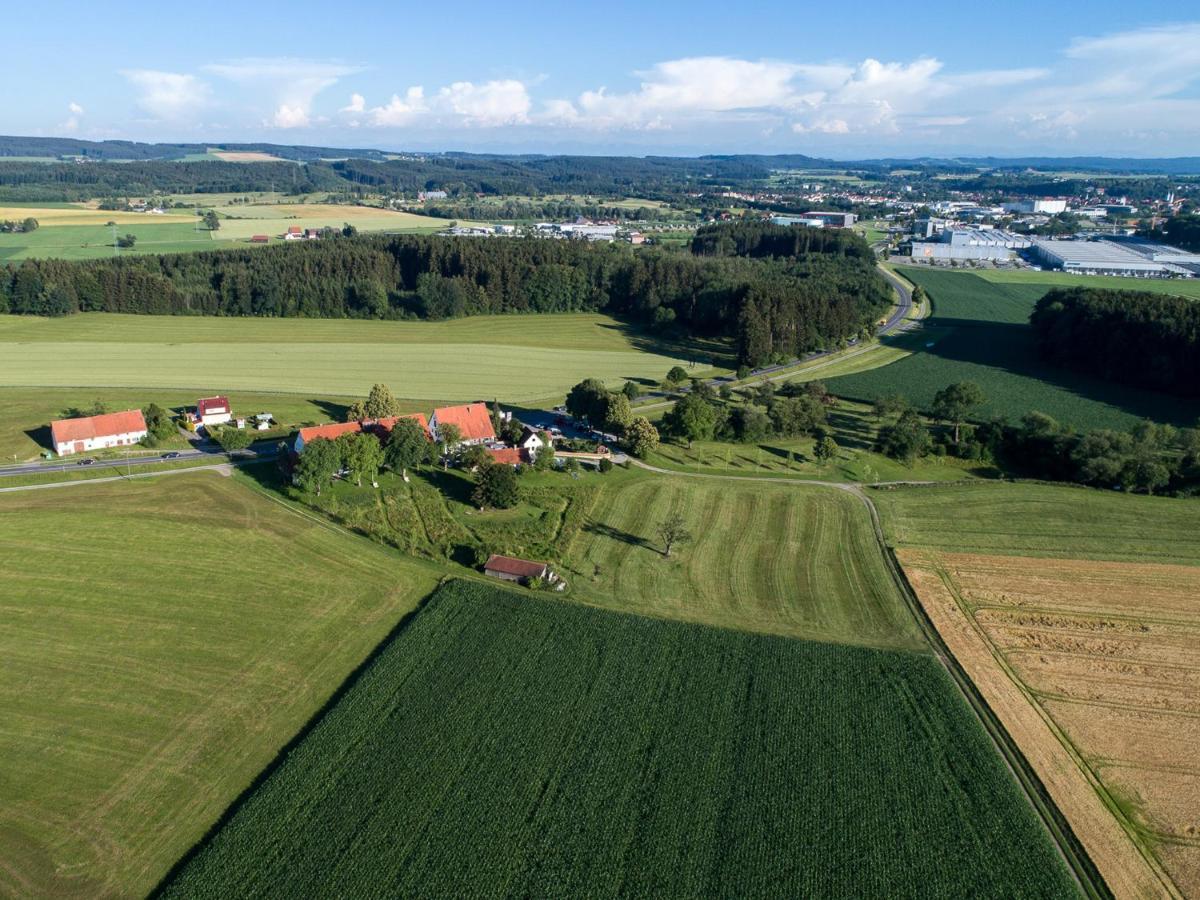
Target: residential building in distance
<point>422,196</point>
<point>120,429</point>
<point>474,422</point>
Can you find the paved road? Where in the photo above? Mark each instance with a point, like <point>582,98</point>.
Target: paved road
<point>207,451</point>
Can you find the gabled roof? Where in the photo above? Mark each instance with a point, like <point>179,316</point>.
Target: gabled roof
<point>472,419</point>
<point>295,229</point>
<point>508,456</point>
<point>380,427</point>
<point>66,430</point>
<point>218,404</point>
<point>330,432</point>
<point>387,424</point>
<point>519,568</point>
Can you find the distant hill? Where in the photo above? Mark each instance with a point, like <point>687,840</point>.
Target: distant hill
<point>125,150</point>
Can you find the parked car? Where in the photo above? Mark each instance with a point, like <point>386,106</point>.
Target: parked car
<point>86,461</point>
<point>174,454</point>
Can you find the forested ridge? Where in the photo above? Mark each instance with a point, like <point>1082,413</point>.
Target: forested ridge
<point>1144,339</point>
<point>770,306</point>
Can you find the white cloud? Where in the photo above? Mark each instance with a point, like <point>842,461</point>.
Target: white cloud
<point>170,96</point>
<point>400,112</point>
<point>357,104</point>
<point>490,104</point>
<point>71,123</point>
<point>293,83</point>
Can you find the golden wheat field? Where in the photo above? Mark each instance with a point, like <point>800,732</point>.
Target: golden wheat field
<point>1095,669</point>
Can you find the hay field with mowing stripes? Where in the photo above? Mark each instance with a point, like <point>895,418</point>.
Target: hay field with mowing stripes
<point>779,558</point>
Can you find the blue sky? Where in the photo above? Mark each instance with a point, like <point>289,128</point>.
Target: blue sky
<point>656,76</point>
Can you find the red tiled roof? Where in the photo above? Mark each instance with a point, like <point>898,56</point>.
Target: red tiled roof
<point>66,430</point>
<point>390,422</point>
<point>329,432</point>
<point>509,456</point>
<point>218,404</point>
<point>295,229</point>
<point>510,565</point>
<point>259,239</point>
<point>381,427</point>
<point>472,419</point>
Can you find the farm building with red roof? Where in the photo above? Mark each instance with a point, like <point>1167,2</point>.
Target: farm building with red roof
<point>120,429</point>
<point>508,456</point>
<point>473,420</point>
<point>509,568</point>
<point>381,428</point>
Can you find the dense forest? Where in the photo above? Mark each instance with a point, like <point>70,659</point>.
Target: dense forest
<point>1143,339</point>
<point>768,305</point>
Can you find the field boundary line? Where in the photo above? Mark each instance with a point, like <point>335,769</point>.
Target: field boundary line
<point>1073,853</point>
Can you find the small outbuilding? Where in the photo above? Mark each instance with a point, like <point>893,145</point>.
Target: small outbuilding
<point>509,568</point>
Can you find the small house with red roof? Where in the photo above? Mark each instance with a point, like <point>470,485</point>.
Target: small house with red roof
<point>294,233</point>
<point>259,239</point>
<point>120,429</point>
<point>209,412</point>
<point>508,456</point>
<point>473,420</point>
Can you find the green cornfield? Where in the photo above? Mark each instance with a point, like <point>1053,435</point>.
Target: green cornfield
<point>503,745</point>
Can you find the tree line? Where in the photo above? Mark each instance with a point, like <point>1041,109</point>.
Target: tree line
<point>1136,338</point>
<point>770,307</point>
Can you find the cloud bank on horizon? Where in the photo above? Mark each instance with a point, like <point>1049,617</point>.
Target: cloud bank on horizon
<point>1110,93</point>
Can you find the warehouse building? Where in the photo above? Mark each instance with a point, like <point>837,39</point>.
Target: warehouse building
<point>970,243</point>
<point>1046,206</point>
<point>798,220</point>
<point>1102,258</point>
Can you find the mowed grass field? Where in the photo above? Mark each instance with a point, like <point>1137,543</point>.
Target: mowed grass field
<point>1041,520</point>
<point>979,332</point>
<point>515,358</point>
<point>77,231</point>
<point>782,558</point>
<point>1075,612</point>
<point>503,745</point>
<point>160,640</point>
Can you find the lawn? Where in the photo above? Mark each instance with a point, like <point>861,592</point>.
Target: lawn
<point>162,639</point>
<point>782,558</point>
<point>242,221</point>
<point>154,235</point>
<point>1042,520</point>
<point>978,332</point>
<point>1045,280</point>
<point>516,358</point>
<point>502,745</point>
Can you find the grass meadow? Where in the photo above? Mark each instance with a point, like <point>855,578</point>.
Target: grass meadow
<point>162,639</point>
<point>1026,519</point>
<point>506,745</point>
<point>77,231</point>
<point>131,360</point>
<point>779,558</point>
<point>978,332</point>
